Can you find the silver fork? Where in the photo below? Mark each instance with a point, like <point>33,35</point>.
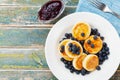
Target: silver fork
<point>102,7</point>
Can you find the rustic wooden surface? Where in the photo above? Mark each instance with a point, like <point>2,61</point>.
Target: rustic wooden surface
<point>21,35</point>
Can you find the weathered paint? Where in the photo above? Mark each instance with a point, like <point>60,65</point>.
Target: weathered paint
<point>24,15</point>
<point>27,41</point>
<point>33,2</point>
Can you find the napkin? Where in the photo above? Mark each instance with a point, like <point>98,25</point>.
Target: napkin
<point>85,6</point>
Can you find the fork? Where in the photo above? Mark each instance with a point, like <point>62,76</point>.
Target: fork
<point>102,7</point>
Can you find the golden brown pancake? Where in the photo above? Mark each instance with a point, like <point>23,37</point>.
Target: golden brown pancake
<point>64,55</point>
<point>77,62</point>
<point>81,31</point>
<point>71,54</point>
<point>97,44</point>
<point>90,62</point>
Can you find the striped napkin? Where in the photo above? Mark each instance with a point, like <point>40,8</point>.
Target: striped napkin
<point>85,6</point>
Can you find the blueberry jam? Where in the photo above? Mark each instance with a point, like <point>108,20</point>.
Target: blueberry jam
<point>102,54</point>
<point>50,10</point>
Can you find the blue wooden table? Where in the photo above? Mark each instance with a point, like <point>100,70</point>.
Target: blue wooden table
<point>21,35</point>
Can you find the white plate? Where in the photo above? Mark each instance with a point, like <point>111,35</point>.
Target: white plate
<point>108,68</point>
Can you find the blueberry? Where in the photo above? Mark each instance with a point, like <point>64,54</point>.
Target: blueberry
<point>62,59</point>
<point>102,37</point>
<point>107,48</point>
<point>61,50</point>
<point>71,70</point>
<point>70,49</point>
<point>98,34</point>
<point>70,44</point>
<point>92,45</point>
<point>106,57</point>
<point>65,62</point>
<point>69,63</point>
<point>101,58</point>
<point>72,38</point>
<point>83,71</point>
<point>107,52</point>
<point>101,62</point>
<point>82,42</point>
<point>95,37</point>
<point>104,44</point>
<point>89,41</point>
<point>104,54</point>
<point>74,51</point>
<point>78,48</point>
<point>78,52</point>
<point>62,47</point>
<point>64,38</point>
<point>66,65</point>
<point>77,71</point>
<point>95,30</point>
<point>70,34</point>
<point>98,68</point>
<point>100,53</point>
<point>83,34</point>
<point>87,72</point>
<point>67,35</point>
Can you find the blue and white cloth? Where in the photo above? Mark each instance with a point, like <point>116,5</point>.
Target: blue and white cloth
<point>85,6</point>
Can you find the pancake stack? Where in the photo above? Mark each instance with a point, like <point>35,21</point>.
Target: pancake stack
<point>82,55</point>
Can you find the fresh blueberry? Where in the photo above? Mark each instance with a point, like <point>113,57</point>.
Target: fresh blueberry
<point>104,44</point>
<point>101,58</point>
<point>69,63</point>
<point>78,52</point>
<point>61,50</point>
<point>66,65</point>
<point>101,62</point>
<point>89,41</point>
<point>87,72</point>
<point>95,30</point>
<point>82,42</point>
<point>77,71</point>
<point>95,37</point>
<point>70,49</point>
<point>72,38</point>
<point>107,52</point>
<point>98,34</point>
<point>67,35</point>
<point>70,44</point>
<point>62,47</point>
<point>65,62</point>
<point>102,37</point>
<point>106,57</point>
<point>98,68</point>
<point>70,34</point>
<point>92,45</point>
<point>83,34</point>
<point>104,54</point>
<point>71,70</point>
<point>107,48</point>
<point>62,59</point>
<point>64,38</point>
<point>83,71</point>
<point>78,48</point>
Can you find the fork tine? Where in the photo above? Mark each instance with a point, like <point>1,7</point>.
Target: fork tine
<point>97,4</point>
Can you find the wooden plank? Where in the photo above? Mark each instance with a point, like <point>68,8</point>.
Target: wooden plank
<point>27,75</point>
<point>23,37</point>
<point>24,15</point>
<point>37,75</point>
<point>33,2</point>
<point>22,59</point>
